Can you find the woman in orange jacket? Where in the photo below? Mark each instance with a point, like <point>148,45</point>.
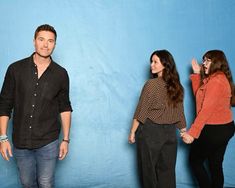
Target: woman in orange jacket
<point>213,126</point>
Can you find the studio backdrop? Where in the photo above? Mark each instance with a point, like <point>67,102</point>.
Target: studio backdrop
<point>105,46</point>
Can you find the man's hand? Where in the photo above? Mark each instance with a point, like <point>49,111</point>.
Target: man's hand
<point>5,149</point>
<point>64,146</point>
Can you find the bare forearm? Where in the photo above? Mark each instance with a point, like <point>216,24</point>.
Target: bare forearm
<point>135,125</point>
<point>3,125</point>
<point>66,124</point>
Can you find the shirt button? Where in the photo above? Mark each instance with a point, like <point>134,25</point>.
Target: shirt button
<point>37,83</point>
<point>35,73</point>
<point>35,94</point>
<point>33,105</point>
<point>30,127</point>
<point>31,116</point>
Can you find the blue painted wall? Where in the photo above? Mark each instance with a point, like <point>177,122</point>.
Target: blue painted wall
<point>105,46</point>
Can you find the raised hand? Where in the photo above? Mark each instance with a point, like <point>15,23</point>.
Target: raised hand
<point>195,66</point>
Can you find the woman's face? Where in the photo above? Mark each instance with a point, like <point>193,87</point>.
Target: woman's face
<point>156,66</point>
<point>206,65</point>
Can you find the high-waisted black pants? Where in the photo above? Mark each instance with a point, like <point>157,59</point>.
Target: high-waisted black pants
<point>156,153</point>
<point>211,146</point>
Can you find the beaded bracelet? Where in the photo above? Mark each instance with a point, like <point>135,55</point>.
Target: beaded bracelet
<point>3,140</point>
<point>2,137</point>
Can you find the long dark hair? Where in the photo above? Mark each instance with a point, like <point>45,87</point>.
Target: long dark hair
<point>175,90</point>
<point>219,63</point>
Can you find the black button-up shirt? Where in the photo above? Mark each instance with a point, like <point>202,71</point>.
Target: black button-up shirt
<point>36,103</point>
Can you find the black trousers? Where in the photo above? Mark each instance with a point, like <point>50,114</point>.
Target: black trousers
<point>211,146</point>
<point>156,153</point>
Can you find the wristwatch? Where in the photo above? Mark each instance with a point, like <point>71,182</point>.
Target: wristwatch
<point>66,140</point>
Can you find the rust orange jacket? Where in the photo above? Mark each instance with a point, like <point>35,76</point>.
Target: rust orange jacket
<point>212,102</point>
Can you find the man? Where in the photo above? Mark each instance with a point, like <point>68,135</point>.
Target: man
<point>37,90</point>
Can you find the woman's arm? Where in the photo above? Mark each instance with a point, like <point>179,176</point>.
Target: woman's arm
<point>134,127</point>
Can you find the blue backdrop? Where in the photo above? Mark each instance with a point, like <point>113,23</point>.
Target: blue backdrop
<point>105,46</point>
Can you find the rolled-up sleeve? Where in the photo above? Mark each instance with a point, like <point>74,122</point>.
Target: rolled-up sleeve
<point>7,94</point>
<point>63,98</point>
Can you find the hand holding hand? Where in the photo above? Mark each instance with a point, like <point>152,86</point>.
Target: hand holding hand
<point>195,66</point>
<point>187,138</point>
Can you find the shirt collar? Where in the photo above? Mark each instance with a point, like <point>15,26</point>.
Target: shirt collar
<point>50,67</point>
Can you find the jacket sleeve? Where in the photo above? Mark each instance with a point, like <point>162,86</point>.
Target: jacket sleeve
<point>195,78</point>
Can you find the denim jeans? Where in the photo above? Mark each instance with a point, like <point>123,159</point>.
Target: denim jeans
<point>37,166</point>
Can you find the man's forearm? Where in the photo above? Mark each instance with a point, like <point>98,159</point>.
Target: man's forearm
<point>3,125</point>
<point>66,124</point>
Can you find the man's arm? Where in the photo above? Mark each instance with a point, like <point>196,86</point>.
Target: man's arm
<point>5,146</point>
<point>66,123</point>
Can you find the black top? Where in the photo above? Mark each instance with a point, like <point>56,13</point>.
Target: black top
<point>36,103</point>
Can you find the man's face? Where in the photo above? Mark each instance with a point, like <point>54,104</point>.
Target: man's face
<point>44,43</point>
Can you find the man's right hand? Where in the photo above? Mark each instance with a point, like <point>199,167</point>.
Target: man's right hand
<point>5,149</point>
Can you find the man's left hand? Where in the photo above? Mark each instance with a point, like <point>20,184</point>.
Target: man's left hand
<point>64,146</point>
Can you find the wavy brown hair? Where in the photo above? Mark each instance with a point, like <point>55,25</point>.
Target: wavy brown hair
<point>219,63</point>
<point>175,90</point>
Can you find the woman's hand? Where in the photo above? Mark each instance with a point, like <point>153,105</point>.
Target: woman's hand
<point>131,138</point>
<point>187,138</point>
<point>195,66</point>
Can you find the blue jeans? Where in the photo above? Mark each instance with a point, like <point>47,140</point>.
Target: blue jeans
<point>37,166</point>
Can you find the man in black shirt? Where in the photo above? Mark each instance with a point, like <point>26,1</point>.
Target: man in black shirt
<point>37,90</point>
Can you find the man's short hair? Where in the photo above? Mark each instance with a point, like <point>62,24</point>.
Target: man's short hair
<point>45,27</point>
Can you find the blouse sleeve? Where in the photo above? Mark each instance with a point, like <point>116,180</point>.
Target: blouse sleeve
<point>182,122</point>
<point>143,104</point>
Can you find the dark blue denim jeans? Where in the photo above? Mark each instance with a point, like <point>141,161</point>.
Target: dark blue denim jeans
<point>37,166</point>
